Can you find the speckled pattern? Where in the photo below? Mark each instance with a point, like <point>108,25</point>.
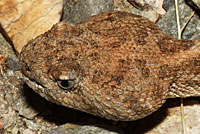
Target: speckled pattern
<point>123,66</point>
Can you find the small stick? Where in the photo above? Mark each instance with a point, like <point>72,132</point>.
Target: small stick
<point>188,20</point>
<point>179,37</point>
<point>182,106</point>
<point>177,19</point>
<point>183,117</point>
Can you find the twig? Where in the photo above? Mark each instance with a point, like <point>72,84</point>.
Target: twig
<point>187,22</point>
<point>177,20</point>
<point>179,37</point>
<point>183,117</point>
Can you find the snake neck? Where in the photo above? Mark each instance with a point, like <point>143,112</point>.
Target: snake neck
<point>182,69</point>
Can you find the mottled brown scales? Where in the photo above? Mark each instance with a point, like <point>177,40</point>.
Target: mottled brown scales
<point>115,65</point>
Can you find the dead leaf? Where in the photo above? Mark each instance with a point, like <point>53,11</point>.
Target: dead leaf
<point>194,3</point>
<point>24,20</point>
<point>1,126</point>
<point>156,5</point>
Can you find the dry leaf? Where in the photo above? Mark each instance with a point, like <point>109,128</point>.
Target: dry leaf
<point>1,126</point>
<point>194,3</point>
<point>23,20</point>
<point>156,5</point>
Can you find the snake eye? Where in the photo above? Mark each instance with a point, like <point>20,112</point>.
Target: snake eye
<point>66,84</point>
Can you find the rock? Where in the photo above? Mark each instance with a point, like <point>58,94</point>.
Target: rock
<point>12,62</point>
<point>28,109</point>
<point>86,129</point>
<point>173,119</point>
<point>27,131</point>
<point>76,11</point>
<point>168,22</point>
<point>24,20</point>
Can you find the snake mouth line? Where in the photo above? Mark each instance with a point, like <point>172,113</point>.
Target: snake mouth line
<point>34,85</point>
